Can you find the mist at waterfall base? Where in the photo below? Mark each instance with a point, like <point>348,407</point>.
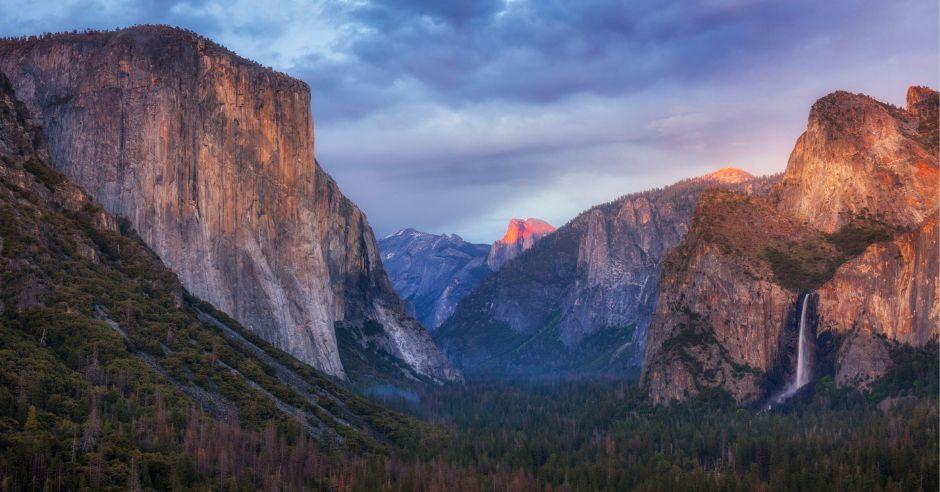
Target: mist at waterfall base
<point>803,370</point>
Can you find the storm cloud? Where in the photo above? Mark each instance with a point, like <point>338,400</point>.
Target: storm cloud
<point>455,116</point>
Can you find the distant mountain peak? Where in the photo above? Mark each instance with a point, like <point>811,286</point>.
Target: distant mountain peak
<point>520,230</point>
<point>403,232</point>
<point>413,233</point>
<point>520,236</point>
<point>729,175</point>
<point>433,272</point>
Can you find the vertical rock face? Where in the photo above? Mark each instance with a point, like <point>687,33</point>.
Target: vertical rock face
<point>721,311</point>
<point>853,219</point>
<point>76,280</point>
<point>580,300</point>
<point>433,272</point>
<point>20,139</point>
<point>889,293</point>
<point>520,236</point>
<point>211,158</point>
<point>862,359</point>
<point>861,157</point>
<point>891,289</point>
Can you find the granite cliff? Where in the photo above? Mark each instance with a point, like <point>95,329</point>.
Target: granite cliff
<point>851,226</point>
<point>211,159</point>
<point>520,236</point>
<point>889,293</point>
<point>579,301</point>
<point>101,331</point>
<point>433,272</point>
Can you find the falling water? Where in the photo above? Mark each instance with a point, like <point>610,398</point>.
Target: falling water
<point>802,371</point>
<point>802,359</point>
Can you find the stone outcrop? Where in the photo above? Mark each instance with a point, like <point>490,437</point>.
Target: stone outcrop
<point>211,158</point>
<point>853,220</point>
<point>580,300</point>
<point>520,236</point>
<point>861,157</point>
<point>720,314</point>
<point>862,359</point>
<point>891,289</point>
<point>433,272</point>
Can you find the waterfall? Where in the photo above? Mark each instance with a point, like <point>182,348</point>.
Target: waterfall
<point>802,359</point>
<point>802,369</point>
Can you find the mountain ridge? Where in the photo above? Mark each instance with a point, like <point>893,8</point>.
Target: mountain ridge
<point>433,272</point>
<point>590,284</point>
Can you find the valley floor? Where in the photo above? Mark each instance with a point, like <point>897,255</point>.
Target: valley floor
<point>509,436</point>
<point>605,436</point>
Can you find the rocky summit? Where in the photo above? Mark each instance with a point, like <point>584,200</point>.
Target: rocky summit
<point>729,175</point>
<point>850,231</point>
<point>211,159</point>
<point>520,236</point>
<point>863,158</point>
<point>433,272</point>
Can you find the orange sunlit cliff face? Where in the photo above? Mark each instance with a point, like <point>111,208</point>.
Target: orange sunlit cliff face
<point>520,236</point>
<point>529,230</point>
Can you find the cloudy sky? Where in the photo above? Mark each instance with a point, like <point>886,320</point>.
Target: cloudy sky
<point>455,116</point>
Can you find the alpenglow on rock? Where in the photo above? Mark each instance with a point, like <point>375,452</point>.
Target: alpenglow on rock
<point>211,158</point>
<point>433,272</point>
<point>580,300</point>
<point>853,222</point>
<point>520,236</point>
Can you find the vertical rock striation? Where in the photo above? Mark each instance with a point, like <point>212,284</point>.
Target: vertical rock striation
<point>861,157</point>
<point>890,293</point>
<point>853,219</point>
<point>211,158</point>
<point>891,289</point>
